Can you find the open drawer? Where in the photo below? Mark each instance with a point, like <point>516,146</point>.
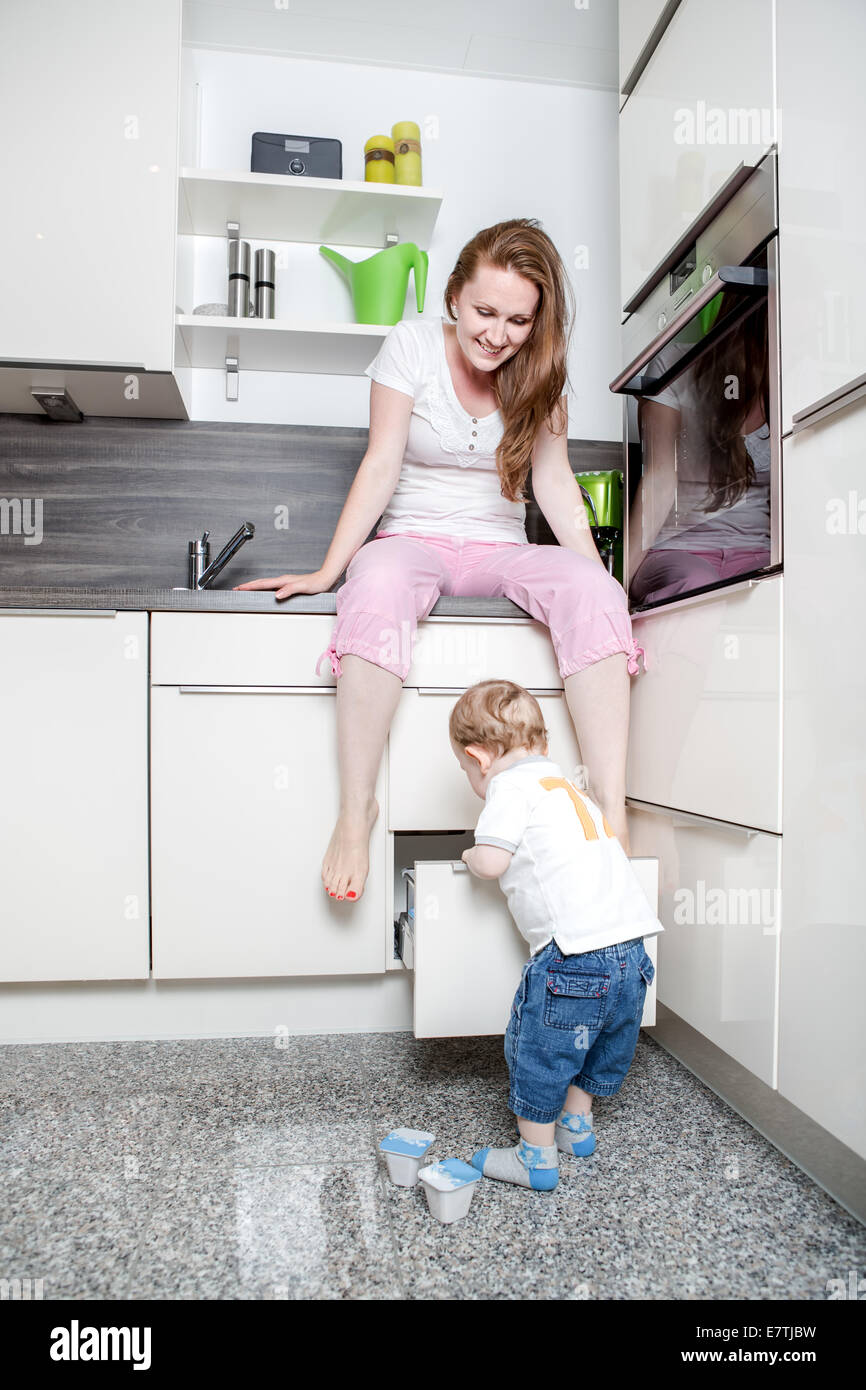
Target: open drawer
<point>467,955</point>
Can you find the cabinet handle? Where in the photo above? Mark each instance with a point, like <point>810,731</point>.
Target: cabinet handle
<point>828,405</point>
<point>461,690</point>
<point>746,279</point>
<point>256,689</point>
<point>649,47</point>
<point>59,612</point>
<point>693,818</point>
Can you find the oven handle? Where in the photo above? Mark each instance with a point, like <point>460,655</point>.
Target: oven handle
<point>747,278</point>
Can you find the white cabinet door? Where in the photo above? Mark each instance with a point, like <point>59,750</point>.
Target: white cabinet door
<point>73,810</point>
<point>706,716</point>
<point>822,1042</point>
<point>244,796</point>
<point>428,790</point>
<point>822,199</point>
<point>719,904</point>
<point>89,109</point>
<point>468,954</point>
<point>703,105</point>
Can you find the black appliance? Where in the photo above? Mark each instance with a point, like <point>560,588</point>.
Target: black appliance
<point>303,156</point>
<point>701,394</point>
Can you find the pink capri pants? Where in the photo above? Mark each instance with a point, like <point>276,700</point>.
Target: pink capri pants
<point>394,580</point>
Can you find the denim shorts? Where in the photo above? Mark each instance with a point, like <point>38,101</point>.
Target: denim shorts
<point>575,1020</point>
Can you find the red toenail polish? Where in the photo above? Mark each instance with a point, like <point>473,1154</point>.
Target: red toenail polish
<point>350,895</point>
<point>339,897</point>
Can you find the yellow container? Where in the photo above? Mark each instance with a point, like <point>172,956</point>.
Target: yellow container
<point>379,159</point>
<point>407,152</point>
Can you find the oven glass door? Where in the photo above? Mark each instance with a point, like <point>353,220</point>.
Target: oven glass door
<point>702,474</point>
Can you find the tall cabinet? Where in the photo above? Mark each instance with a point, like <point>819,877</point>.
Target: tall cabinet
<point>822,211</point>
<point>747,776</point>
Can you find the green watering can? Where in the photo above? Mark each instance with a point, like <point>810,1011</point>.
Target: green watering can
<point>379,284</point>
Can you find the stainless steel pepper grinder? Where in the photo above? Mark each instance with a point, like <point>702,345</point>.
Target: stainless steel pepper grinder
<point>239,280</point>
<point>264,283</point>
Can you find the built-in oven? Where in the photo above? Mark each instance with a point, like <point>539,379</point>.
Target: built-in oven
<point>701,403</point>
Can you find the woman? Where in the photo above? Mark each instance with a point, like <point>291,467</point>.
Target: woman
<point>459,413</point>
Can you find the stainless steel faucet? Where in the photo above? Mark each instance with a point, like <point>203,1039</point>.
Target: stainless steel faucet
<point>201,573</point>
<point>605,537</point>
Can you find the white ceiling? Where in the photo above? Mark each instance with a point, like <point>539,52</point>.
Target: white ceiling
<point>564,41</point>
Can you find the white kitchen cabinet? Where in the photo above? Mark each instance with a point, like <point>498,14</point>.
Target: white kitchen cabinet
<point>428,789</point>
<point>89,101</point>
<point>822,199</point>
<point>73,814</point>
<point>244,796</point>
<point>706,715</point>
<point>822,1045</point>
<point>720,906</point>
<point>468,955</point>
<point>703,105</point>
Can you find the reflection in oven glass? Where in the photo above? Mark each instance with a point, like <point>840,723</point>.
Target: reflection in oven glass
<point>701,511</point>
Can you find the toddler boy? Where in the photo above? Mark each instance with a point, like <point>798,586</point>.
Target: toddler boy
<point>576,900</point>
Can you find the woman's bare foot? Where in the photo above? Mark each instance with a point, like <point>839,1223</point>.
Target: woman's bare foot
<point>347,858</point>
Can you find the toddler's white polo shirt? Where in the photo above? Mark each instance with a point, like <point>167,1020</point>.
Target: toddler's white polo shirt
<point>569,879</point>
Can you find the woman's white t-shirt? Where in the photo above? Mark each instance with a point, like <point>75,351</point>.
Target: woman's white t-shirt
<point>448,484</point>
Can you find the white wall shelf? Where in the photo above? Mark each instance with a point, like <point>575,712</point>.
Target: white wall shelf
<point>275,207</point>
<point>279,345</point>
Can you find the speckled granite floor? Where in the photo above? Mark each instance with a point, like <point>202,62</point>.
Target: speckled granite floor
<point>236,1169</point>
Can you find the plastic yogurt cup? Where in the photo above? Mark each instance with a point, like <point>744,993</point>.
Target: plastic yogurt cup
<point>404,1151</point>
<point>449,1186</point>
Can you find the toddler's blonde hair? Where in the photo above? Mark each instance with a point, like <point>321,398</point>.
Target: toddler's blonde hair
<point>499,715</point>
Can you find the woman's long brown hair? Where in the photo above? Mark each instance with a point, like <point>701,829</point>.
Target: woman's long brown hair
<point>741,356</point>
<point>529,385</point>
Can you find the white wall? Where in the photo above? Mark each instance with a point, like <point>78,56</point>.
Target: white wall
<point>496,148</point>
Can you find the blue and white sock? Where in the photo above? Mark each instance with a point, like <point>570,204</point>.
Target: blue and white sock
<point>574,1134</point>
<point>528,1165</point>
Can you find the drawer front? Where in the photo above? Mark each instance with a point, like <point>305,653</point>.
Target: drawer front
<point>239,648</point>
<point>427,788</point>
<point>706,715</point>
<point>450,652</point>
<point>719,953</point>
<point>469,955</point>
<point>283,648</point>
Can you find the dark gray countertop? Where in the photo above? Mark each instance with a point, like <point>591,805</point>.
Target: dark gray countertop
<point>226,601</point>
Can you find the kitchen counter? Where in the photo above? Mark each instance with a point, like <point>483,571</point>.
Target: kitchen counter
<point>225,601</point>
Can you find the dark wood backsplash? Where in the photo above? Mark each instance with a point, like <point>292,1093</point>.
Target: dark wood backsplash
<point>121,498</point>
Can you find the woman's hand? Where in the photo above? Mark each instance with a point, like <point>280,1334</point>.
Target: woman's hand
<point>288,584</point>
